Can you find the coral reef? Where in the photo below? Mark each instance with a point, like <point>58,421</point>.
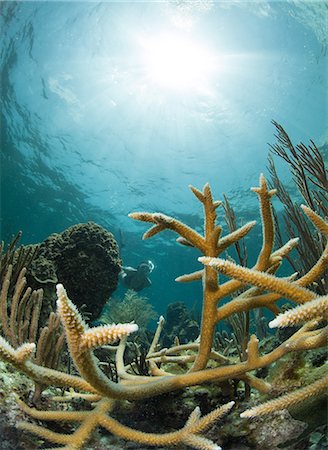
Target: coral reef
<point>261,288</point>
<point>85,258</point>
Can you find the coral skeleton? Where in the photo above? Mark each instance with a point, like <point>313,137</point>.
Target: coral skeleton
<point>261,287</point>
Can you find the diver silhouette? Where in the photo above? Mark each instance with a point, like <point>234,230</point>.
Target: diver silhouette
<point>137,279</point>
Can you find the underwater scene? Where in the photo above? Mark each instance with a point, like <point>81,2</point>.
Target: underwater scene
<point>163,225</point>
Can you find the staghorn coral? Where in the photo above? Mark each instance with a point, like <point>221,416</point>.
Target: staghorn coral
<point>96,386</point>
<point>285,401</point>
<point>261,276</point>
<point>106,334</point>
<point>211,245</point>
<point>314,309</point>
<point>91,419</point>
<point>77,333</point>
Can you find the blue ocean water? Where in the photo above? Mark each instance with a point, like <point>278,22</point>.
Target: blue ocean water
<point>98,118</point>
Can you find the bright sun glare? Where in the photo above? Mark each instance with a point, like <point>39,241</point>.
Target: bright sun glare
<point>177,63</point>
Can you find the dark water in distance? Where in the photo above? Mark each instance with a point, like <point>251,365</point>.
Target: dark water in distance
<point>88,134</point>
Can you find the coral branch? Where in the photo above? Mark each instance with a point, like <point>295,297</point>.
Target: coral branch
<point>190,276</point>
<point>317,388</point>
<point>260,279</point>
<point>267,222</point>
<point>107,334</point>
<point>310,310</point>
<point>193,426</point>
<point>233,237</point>
<point>91,419</point>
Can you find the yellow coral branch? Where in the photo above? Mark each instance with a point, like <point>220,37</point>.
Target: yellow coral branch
<point>106,334</point>
<point>260,279</point>
<point>318,221</point>
<point>62,416</point>
<point>190,276</point>
<point>166,222</point>
<point>317,388</point>
<point>15,356</point>
<point>234,236</point>
<point>51,436</point>
<point>19,358</point>
<point>91,419</point>
<point>192,427</point>
<point>310,310</point>
<point>267,222</point>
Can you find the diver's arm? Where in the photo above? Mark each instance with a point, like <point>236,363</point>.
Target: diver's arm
<point>127,270</point>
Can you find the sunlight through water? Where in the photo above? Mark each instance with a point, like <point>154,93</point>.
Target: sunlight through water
<point>178,62</point>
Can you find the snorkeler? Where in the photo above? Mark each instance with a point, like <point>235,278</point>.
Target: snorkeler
<point>137,279</point>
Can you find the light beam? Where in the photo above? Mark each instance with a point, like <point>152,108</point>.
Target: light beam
<point>177,63</point>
